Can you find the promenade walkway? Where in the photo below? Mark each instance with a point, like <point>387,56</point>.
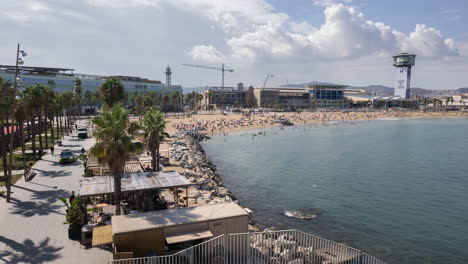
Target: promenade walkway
<point>31,226</point>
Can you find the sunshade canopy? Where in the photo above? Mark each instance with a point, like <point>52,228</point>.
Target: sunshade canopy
<point>100,185</point>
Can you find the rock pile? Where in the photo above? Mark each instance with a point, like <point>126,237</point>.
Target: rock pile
<point>199,169</point>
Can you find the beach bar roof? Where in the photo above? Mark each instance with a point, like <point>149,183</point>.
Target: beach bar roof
<point>101,185</point>
<point>175,217</point>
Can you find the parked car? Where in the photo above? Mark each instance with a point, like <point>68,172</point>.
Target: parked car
<point>82,133</point>
<point>67,156</point>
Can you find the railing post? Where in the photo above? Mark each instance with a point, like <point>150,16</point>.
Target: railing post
<point>248,248</point>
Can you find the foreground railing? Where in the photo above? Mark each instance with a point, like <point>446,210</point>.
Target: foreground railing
<point>276,247</point>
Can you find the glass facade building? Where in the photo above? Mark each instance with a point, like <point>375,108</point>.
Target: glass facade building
<point>328,96</point>
<point>62,80</point>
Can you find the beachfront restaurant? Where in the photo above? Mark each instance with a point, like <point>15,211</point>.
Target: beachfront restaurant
<point>167,231</point>
<point>140,193</point>
<point>138,189</point>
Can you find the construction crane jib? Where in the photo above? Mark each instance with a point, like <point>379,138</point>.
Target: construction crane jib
<point>222,69</point>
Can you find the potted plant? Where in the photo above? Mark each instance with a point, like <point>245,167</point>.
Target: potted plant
<point>75,218</point>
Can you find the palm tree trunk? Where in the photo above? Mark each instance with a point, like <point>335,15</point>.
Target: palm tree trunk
<point>40,135</point>
<point>52,131</point>
<point>3,148</point>
<point>46,123</point>
<point>23,150</point>
<point>117,191</point>
<point>153,160</point>
<point>33,135</point>
<point>28,128</point>
<point>10,165</point>
<point>57,125</point>
<point>157,158</point>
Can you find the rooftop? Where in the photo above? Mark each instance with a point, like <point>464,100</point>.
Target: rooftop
<point>164,218</point>
<point>37,70</point>
<point>101,185</point>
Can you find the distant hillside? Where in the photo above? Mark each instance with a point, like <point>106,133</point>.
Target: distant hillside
<point>302,85</point>
<point>376,89</point>
<point>382,90</point>
<point>462,90</point>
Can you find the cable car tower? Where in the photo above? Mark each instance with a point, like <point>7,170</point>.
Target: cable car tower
<point>403,63</point>
<point>222,69</point>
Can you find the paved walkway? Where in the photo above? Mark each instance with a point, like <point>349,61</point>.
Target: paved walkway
<point>31,226</point>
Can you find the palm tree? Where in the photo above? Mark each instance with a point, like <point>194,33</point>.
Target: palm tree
<point>164,99</point>
<point>78,90</point>
<point>88,95</point>
<point>175,100</point>
<point>112,92</point>
<point>114,135</point>
<point>6,103</point>
<point>67,100</point>
<point>154,125</point>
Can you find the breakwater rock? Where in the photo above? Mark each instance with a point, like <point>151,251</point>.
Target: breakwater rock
<point>198,169</point>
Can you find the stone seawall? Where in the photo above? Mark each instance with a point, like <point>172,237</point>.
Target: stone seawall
<point>198,169</point>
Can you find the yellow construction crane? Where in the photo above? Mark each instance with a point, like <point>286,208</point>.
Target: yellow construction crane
<point>222,69</point>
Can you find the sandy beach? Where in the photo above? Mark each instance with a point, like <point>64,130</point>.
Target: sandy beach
<point>217,123</point>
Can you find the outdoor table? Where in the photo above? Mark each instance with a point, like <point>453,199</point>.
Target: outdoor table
<point>100,206</point>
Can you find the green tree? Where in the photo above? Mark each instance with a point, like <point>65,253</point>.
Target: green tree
<point>6,104</point>
<point>78,95</point>
<point>165,100</point>
<point>154,126</point>
<point>112,92</point>
<point>114,135</point>
<point>175,100</point>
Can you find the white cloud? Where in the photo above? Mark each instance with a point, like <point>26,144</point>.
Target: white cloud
<point>141,36</point>
<point>428,42</point>
<point>206,53</point>
<point>345,34</point>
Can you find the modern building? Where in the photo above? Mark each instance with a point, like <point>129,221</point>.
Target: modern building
<point>360,101</point>
<point>455,102</point>
<point>226,97</point>
<point>349,92</point>
<point>269,97</point>
<point>328,96</point>
<point>63,80</point>
<point>315,96</point>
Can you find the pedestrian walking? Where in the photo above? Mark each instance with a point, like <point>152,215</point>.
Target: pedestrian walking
<point>52,150</point>
<point>72,197</point>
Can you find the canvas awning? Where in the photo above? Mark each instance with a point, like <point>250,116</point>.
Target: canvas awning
<point>102,236</point>
<point>188,236</point>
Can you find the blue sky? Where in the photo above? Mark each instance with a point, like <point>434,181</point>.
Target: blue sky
<point>340,41</point>
<point>447,15</point>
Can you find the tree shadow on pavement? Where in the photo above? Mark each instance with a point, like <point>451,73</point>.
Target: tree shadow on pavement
<point>41,203</point>
<point>28,252</point>
<point>53,174</point>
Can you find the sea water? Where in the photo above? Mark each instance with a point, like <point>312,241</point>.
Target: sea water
<point>396,189</point>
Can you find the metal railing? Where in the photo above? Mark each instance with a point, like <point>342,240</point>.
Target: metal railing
<point>275,247</point>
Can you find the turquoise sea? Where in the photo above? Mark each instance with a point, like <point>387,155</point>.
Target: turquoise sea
<point>397,189</point>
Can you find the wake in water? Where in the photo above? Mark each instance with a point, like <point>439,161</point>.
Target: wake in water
<point>304,213</point>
